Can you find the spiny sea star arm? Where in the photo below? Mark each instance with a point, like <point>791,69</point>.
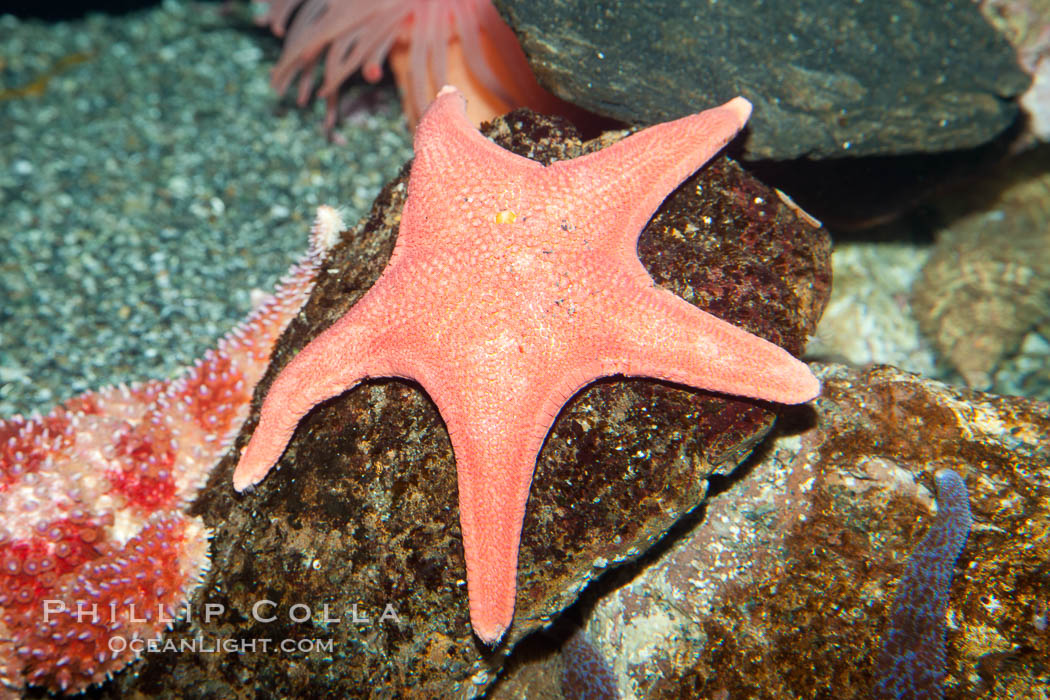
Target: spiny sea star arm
<point>633,176</point>
<point>686,345</point>
<point>333,362</point>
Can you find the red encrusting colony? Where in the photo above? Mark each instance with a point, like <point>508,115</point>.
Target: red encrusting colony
<point>96,549</point>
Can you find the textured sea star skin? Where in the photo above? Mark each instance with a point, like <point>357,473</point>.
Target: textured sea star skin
<point>912,662</point>
<point>93,499</point>
<point>512,285</point>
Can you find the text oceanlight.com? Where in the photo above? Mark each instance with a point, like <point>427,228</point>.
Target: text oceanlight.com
<point>203,645</point>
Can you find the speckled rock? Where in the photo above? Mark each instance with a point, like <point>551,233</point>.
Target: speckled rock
<point>150,180</point>
<point>986,284</point>
<point>783,586</point>
<point>364,510</point>
<point>866,320</point>
<point>887,77</point>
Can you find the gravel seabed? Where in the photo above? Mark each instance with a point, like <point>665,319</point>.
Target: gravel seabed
<point>153,183</point>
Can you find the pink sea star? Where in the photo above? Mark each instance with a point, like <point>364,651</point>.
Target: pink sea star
<point>532,290</point>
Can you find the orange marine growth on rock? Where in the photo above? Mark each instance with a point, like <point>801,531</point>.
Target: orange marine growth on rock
<point>502,319</point>
<point>96,549</point>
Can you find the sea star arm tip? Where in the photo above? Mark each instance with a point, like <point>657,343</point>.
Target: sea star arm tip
<point>446,141</point>
<point>489,633</point>
<point>740,107</point>
<point>686,345</point>
<point>315,374</point>
<point>772,374</point>
<point>635,175</point>
<point>245,477</point>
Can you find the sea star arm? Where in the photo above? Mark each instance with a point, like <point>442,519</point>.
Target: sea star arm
<point>333,362</point>
<point>496,440</point>
<point>685,345</point>
<point>446,141</point>
<point>633,176</point>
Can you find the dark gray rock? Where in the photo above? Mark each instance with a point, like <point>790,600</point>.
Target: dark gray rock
<point>826,79</point>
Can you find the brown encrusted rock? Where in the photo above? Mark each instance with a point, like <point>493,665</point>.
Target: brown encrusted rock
<point>782,587</point>
<point>363,510</point>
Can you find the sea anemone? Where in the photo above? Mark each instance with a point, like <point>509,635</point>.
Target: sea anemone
<point>429,43</point>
